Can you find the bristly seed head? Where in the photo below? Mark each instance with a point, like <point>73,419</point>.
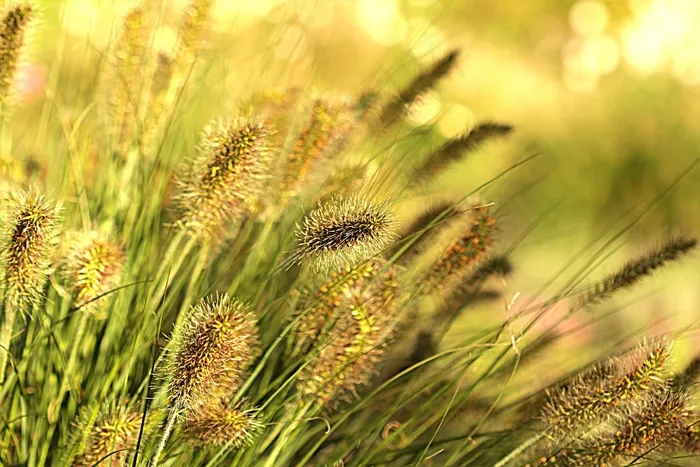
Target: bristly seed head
<point>343,232</point>
<point>215,345</point>
<point>346,324</point>
<point>219,425</point>
<point>30,239</point>
<point>656,423</point>
<point>464,254</point>
<point>635,270</point>
<point>225,179</point>
<point>13,37</point>
<point>93,267</point>
<point>596,396</point>
<point>114,434</point>
<point>396,108</point>
<point>322,135</point>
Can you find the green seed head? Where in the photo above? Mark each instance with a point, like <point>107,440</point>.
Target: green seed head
<point>467,252</point>
<point>113,434</point>
<point>344,231</point>
<point>217,425</point>
<point>225,179</point>
<point>30,239</point>
<point>14,26</point>
<point>346,324</point>
<point>215,345</point>
<point>93,267</point>
<point>322,135</point>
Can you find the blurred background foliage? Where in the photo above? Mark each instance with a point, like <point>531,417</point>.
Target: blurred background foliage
<point>605,93</point>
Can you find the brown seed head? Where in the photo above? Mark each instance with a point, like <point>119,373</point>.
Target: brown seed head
<point>344,231</point>
<point>346,324</point>
<point>114,434</point>
<point>93,267</point>
<point>455,148</point>
<point>467,252</point>
<point>396,108</point>
<point>213,348</point>
<point>596,395</point>
<point>219,425</point>
<point>14,26</point>
<point>655,423</point>
<point>322,136</point>
<point>30,239</point>
<point>225,179</point>
<point>635,270</point>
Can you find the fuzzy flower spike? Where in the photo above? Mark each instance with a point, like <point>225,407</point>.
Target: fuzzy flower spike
<point>223,182</point>
<point>15,25</point>
<point>30,238</point>
<point>344,231</point>
<point>211,350</point>
<point>93,267</point>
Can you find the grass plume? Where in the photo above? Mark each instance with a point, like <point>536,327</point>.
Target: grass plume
<point>219,425</point>
<point>14,30</point>
<point>350,321</point>
<point>344,231</point>
<point>397,106</point>
<point>635,270</point>
<point>455,148</point>
<point>226,177</point>
<point>110,439</point>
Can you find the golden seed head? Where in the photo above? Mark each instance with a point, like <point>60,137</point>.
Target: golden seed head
<point>123,79</point>
<point>638,268</point>
<point>225,179</point>
<point>344,231</point>
<point>219,425</point>
<point>393,110</point>
<point>114,433</point>
<point>596,395</point>
<point>93,267</point>
<point>215,345</point>
<point>322,135</point>
<point>275,108</point>
<point>192,31</point>
<point>346,323</point>
<point>14,26</point>
<point>655,423</point>
<point>30,239</point>
<point>467,252</point>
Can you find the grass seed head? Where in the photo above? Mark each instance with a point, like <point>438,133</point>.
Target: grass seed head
<point>597,395</point>
<point>656,422</point>
<point>30,240</point>
<point>344,231</point>
<point>348,322</point>
<point>93,267</point>
<point>455,148</point>
<point>14,29</point>
<point>191,32</point>
<point>321,136</point>
<point>217,425</point>
<point>635,270</point>
<point>113,434</point>
<point>225,179</point>
<point>397,107</point>
<point>216,344</point>
<point>123,78</point>
<point>467,252</point>
<point>688,376</point>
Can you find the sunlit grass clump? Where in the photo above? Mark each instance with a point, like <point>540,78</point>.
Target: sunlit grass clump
<point>277,276</point>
